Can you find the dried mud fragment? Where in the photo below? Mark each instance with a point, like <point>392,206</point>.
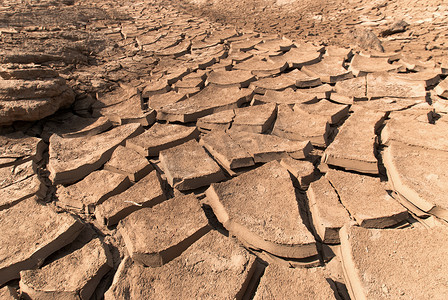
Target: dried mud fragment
<point>380,85</point>
<point>327,212</point>
<point>257,119</point>
<point>362,65</point>
<point>42,232</point>
<point>265,148</point>
<point>374,262</point>
<point>145,193</point>
<point>21,190</point>
<point>239,205</point>
<point>18,148</point>
<point>218,121</point>
<point>239,78</point>
<point>359,133</point>
<point>188,166</point>
<point>301,170</point>
<point>298,125</point>
<point>93,190</point>
<point>128,162</point>
<point>226,151</point>
<point>73,158</point>
<point>334,112</point>
<point>329,70</point>
<point>301,283</point>
<point>414,133</point>
<point>419,175</point>
<point>155,236</point>
<point>160,137</point>
<point>288,96</point>
<point>213,258</point>
<point>74,276</point>
<point>210,100</point>
<point>367,200</point>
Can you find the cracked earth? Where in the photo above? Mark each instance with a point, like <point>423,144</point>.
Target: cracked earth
<point>194,150</point>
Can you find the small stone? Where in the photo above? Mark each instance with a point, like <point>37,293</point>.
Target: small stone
<point>366,39</point>
<point>396,27</point>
